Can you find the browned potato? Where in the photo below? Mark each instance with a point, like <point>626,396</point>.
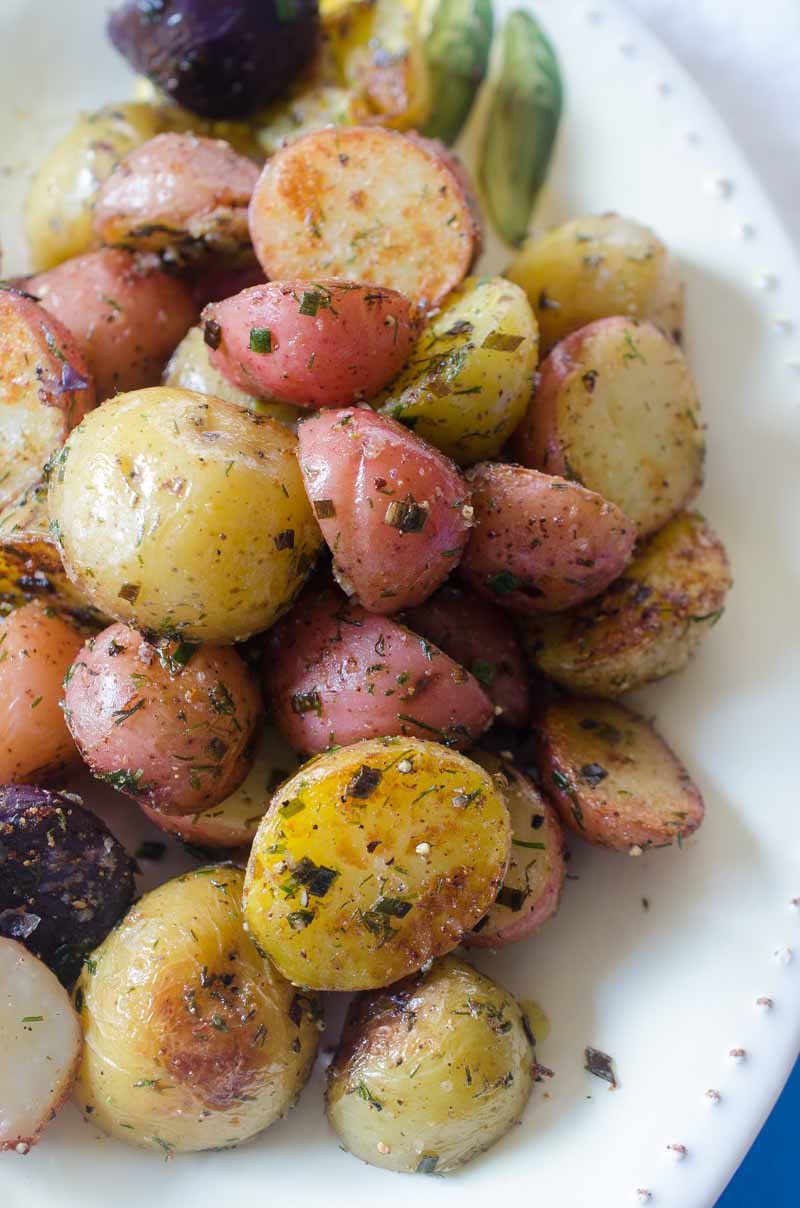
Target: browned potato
<point>645,625</point>
<point>613,779</point>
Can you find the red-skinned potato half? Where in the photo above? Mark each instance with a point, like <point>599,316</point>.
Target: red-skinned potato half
<point>316,344</point>
<point>394,511</point>
<point>334,674</point>
<point>479,637</point>
<point>540,543</point>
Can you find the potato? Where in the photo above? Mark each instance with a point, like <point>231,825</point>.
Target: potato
<point>36,648</point>
<point>470,377</point>
<point>531,889</point>
<point>58,211</point>
<point>165,722</point>
<point>477,635</point>
<point>372,860</point>
<point>40,1047</point>
<point>594,267</point>
<point>192,1039</point>
<point>125,314</point>
<point>177,192</point>
<point>540,543</point>
<point>315,344</point>
<point>369,205</point>
<point>45,389</point>
<point>432,1071</point>
<point>183,513</point>
<point>394,512</point>
<point>334,673</point>
<point>645,625</point>
<point>612,777</point>
<point>616,410</point>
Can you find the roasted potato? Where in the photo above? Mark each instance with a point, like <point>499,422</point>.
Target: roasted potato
<point>66,880</point>
<point>612,777</point>
<point>644,626</point>
<point>334,673</point>
<point>540,543</point>
<point>430,1072</point>
<point>469,380</point>
<point>594,267</point>
<point>183,513</point>
<point>366,204</point>
<point>373,859</point>
<point>394,512</point>
<point>616,410</point>
<point>168,723</point>
<point>40,1047</point>
<point>531,889</point>
<point>192,1039</point>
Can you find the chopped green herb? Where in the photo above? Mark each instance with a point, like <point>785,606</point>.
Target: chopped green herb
<point>395,908</point>
<point>324,509</point>
<point>503,582</point>
<point>428,1162</point>
<point>483,671</point>
<point>260,339</point>
<point>307,702</point>
<point>498,341</point>
<point>407,515</point>
<point>122,715</point>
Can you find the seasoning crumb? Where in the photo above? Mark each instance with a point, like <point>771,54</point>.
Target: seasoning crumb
<point>498,710</point>
<point>405,766</point>
<point>636,850</point>
<point>645,903</point>
<point>423,849</point>
<point>383,1147</point>
<point>507,755</point>
<point>460,801</point>
<point>678,1151</point>
<point>783,956</point>
<point>601,1065</point>
<point>713,1096</point>
<point>468,511</point>
<point>738,1054</point>
<point>764,1001</point>
<point>22,1147</point>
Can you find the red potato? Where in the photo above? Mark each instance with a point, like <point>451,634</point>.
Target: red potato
<point>169,724</point>
<point>125,314</point>
<point>334,674</point>
<point>540,543</point>
<point>478,636</point>
<point>45,390</point>
<point>324,343</point>
<point>36,649</point>
<point>393,510</point>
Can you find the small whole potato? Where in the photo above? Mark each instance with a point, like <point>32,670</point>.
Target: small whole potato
<point>394,512</point>
<point>168,723</point>
<point>192,1039</point>
<point>540,543</point>
<point>373,859</point>
<point>36,649</point>
<point>183,513</point>
<point>432,1071</point>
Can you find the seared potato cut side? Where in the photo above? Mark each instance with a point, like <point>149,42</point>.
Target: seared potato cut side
<point>469,379</point>
<point>616,410</point>
<point>365,204</point>
<point>432,1071</point>
<point>192,1039</point>
<point>647,624</point>
<point>593,267</point>
<point>613,779</point>
<point>373,859</point>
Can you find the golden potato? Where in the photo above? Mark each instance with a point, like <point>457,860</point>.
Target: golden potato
<point>192,1039</point>
<point>373,859</point>
<point>183,513</point>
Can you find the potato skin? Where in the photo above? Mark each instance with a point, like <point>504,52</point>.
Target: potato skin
<point>334,673</point>
<point>612,777</point>
<point>431,1071</point>
<point>647,624</point>
<point>373,859</point>
<point>540,543</point>
<point>183,513</point>
<point>165,723</point>
<point>596,266</point>
<point>327,342</point>
<point>192,1040</point>
<point>394,512</point>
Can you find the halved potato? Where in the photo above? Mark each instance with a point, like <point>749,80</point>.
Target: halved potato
<point>612,777</point>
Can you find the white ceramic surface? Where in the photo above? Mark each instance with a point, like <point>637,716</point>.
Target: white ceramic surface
<point>668,991</point>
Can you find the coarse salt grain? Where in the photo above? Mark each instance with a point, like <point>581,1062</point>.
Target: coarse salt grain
<point>423,849</point>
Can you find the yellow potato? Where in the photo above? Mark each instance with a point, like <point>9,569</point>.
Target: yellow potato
<point>373,859</point>
<point>182,513</point>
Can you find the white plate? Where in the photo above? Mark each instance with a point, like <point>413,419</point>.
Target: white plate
<point>670,991</point>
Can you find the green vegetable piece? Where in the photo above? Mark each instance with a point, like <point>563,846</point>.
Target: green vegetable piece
<point>457,51</point>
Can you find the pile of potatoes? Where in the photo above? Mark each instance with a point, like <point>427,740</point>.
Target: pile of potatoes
<point>307,531</point>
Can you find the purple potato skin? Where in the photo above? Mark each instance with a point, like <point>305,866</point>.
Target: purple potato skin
<point>219,58</point>
<point>60,865</point>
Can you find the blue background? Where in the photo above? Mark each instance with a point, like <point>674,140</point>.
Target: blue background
<point>769,1174</point>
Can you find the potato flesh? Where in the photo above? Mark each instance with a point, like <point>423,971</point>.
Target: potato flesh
<point>192,1040</point>
<point>430,1072</point>
<point>410,842</point>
